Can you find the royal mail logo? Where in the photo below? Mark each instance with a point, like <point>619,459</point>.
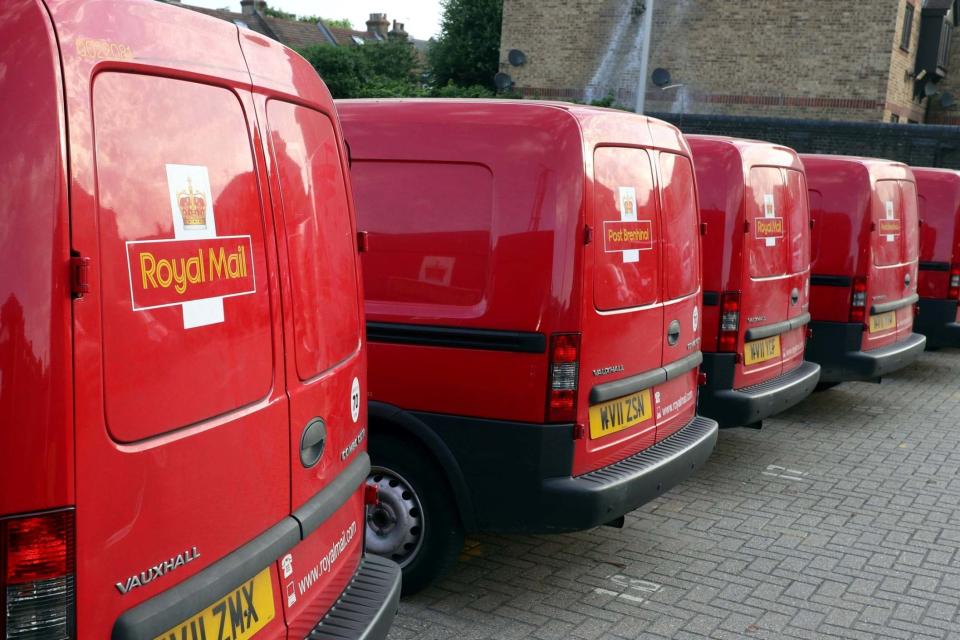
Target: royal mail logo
<point>171,272</point>
<point>890,227</point>
<point>620,235</point>
<point>767,228</point>
<point>196,269</point>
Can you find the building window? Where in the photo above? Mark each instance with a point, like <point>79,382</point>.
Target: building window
<point>894,118</point>
<point>907,28</point>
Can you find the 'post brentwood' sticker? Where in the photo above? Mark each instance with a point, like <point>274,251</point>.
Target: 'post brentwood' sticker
<point>628,235</point>
<point>196,269</point>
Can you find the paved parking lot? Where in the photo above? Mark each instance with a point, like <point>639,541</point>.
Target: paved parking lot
<point>841,518</point>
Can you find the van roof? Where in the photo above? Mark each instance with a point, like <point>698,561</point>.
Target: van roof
<point>598,124</point>
<point>753,152</point>
<point>875,168</point>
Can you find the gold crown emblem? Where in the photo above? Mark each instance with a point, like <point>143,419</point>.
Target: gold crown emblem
<point>193,207</point>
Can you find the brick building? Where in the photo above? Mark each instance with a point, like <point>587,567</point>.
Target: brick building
<point>815,59</point>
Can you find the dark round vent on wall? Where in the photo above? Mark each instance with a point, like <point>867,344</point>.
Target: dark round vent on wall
<point>517,58</point>
<point>502,81</point>
<point>661,77</point>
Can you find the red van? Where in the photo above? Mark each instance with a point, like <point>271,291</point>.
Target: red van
<point>939,283</point>
<point>863,285</point>
<point>182,437</point>
<point>532,279</point>
<point>756,277</point>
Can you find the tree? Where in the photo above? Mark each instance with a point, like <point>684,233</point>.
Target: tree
<point>340,23</point>
<point>468,50</point>
<point>375,70</point>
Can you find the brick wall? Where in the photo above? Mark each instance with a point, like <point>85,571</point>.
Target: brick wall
<point>819,59</point>
<point>917,145</point>
<point>950,84</point>
<point>899,99</point>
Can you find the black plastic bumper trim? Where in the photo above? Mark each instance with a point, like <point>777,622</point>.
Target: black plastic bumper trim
<point>934,266</point>
<point>938,321</point>
<point>600,496</point>
<point>367,606</point>
<point>836,347</point>
<point>893,305</point>
<point>830,281</point>
<point>748,405</point>
<point>639,382</point>
<point>775,329</point>
<point>167,609</point>
<point>456,337</point>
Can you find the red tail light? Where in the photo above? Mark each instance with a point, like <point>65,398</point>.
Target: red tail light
<point>954,293</point>
<point>564,373</point>
<point>729,321</point>
<point>37,591</point>
<point>858,300</point>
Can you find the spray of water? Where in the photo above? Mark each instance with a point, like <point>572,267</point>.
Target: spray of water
<point>619,70</point>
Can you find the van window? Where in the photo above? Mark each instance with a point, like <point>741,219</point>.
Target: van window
<point>679,223</point>
<point>186,313</point>
<point>627,265</point>
<point>429,230</point>
<point>798,220</point>
<point>320,241</point>
<point>888,223</point>
<point>767,213</point>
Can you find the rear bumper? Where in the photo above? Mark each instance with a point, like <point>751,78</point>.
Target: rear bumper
<point>519,475</point>
<point>367,606</point>
<point>835,346</point>
<point>747,405</point>
<point>606,494</point>
<point>938,321</point>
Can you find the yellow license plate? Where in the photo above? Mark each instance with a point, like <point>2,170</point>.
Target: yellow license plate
<point>883,321</point>
<point>622,413</point>
<point>761,350</point>
<point>238,615</point>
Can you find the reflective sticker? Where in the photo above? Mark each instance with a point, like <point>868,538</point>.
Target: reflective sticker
<point>696,318</point>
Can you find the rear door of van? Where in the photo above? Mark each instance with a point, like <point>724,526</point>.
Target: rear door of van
<point>675,400</point>
<point>182,445</point>
<point>623,307</point>
<point>892,273</point>
<point>775,274</point>
<point>324,365</point>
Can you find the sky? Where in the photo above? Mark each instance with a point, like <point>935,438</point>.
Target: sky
<point>421,18</point>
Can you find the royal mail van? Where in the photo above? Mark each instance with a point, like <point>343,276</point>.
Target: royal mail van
<point>863,285</point>
<point>756,256</point>
<point>532,279</point>
<point>938,286</point>
<point>182,363</point>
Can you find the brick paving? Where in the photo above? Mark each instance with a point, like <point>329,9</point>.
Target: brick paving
<point>840,519</point>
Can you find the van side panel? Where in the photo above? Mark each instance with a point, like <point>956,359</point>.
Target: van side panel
<point>939,201</point>
<point>36,440</point>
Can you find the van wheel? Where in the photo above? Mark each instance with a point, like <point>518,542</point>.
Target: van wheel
<point>416,523</point>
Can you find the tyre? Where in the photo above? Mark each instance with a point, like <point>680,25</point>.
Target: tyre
<point>415,523</point>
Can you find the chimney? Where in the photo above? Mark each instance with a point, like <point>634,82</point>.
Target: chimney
<point>398,32</point>
<point>250,7</point>
<point>378,25</point>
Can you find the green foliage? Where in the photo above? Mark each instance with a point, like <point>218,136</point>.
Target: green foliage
<point>278,13</point>
<point>451,90</point>
<point>340,23</point>
<point>385,69</point>
<point>467,52</point>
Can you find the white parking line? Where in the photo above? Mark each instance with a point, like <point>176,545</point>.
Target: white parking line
<point>776,471</point>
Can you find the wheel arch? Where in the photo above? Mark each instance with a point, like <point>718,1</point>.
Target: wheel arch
<point>387,418</point>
